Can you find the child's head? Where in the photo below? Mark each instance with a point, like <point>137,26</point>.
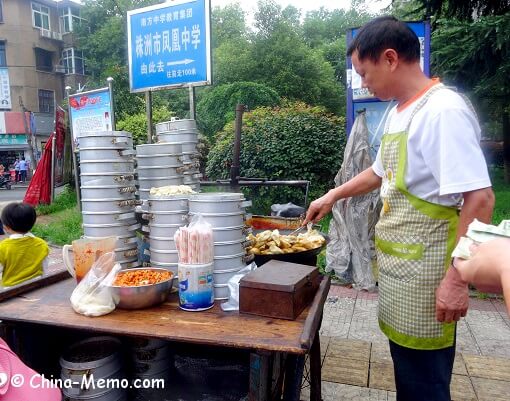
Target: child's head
<point>18,217</point>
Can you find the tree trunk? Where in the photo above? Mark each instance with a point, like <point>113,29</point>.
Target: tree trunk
<point>506,145</point>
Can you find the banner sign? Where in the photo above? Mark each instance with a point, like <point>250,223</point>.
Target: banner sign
<point>169,45</point>
<point>13,139</point>
<point>90,111</point>
<point>5,89</point>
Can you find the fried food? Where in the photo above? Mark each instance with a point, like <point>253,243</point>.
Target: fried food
<point>135,278</point>
<point>273,243</point>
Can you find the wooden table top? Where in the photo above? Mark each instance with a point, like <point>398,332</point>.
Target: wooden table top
<point>51,306</point>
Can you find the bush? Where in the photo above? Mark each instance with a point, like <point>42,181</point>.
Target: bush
<point>136,124</point>
<point>64,200</point>
<point>295,142</point>
<point>217,106</point>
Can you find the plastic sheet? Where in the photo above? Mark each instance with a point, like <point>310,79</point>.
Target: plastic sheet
<point>351,248</point>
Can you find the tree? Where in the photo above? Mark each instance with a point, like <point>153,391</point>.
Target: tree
<point>217,106</point>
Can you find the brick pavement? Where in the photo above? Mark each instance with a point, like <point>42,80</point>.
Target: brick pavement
<point>357,363</point>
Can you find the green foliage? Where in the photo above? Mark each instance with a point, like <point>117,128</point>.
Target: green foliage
<point>217,106</point>
<point>502,193</point>
<point>294,142</point>
<point>64,200</point>
<point>63,229</point>
<point>228,23</point>
<point>137,123</point>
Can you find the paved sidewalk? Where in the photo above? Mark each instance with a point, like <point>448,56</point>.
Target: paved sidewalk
<point>357,363</point>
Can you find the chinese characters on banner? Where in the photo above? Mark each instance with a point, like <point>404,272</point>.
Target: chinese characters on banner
<point>90,111</point>
<point>169,46</point>
<point>5,90</point>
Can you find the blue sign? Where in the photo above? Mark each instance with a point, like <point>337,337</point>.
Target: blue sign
<point>90,111</point>
<point>169,45</point>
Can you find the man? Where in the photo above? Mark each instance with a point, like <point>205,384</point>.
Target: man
<point>23,168</point>
<point>429,167</point>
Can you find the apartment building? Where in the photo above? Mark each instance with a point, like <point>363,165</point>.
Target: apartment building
<point>38,59</point>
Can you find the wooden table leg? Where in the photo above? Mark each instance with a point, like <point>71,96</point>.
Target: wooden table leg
<point>260,376</point>
<point>315,369</point>
<point>294,367</point>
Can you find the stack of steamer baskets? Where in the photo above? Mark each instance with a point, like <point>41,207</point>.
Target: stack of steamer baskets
<point>167,214</point>
<point>225,211</point>
<point>158,165</point>
<point>108,190</point>
<point>184,132</point>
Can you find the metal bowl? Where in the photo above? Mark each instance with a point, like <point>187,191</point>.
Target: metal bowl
<point>142,296</point>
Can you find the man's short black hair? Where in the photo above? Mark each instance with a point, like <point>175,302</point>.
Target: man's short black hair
<point>382,33</point>
<point>19,217</point>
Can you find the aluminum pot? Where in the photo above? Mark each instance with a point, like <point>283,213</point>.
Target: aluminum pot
<point>100,205</point>
<point>176,124</point>
<point>115,142</point>
<point>221,292</point>
<point>87,154</point>
<point>112,165</point>
<point>173,267</point>
<point>189,147</point>
<point>160,171</point>
<point>164,230</point>
<point>108,191</point>
<point>160,256</point>
<point>229,261</point>
<point>123,241</point>
<point>218,202</point>
<point>160,160</point>
<point>129,263</point>
<point>223,219</point>
<point>108,217</point>
<point>191,158</point>
<point>175,217</point>
<point>166,244</point>
<point>178,137</point>
<point>229,248</point>
<point>168,203</point>
<point>107,230</point>
<point>155,182</point>
<point>109,179</point>
<point>222,276</point>
<point>126,252</point>
<point>159,149</point>
<point>226,234</point>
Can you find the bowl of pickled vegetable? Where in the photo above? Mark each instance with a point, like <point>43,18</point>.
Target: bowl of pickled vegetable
<point>141,287</point>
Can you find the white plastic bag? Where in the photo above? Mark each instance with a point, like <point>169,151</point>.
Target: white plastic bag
<point>233,286</point>
<point>92,296</point>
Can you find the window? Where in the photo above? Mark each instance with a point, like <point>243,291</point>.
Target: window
<point>1,11</point>
<point>69,18</point>
<point>43,60</point>
<point>72,60</point>
<point>40,16</point>
<point>3,58</point>
<point>46,101</point>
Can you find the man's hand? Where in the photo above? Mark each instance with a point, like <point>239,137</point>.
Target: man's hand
<point>452,297</point>
<point>320,207</point>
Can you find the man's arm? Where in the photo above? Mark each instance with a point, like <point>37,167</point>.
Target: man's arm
<point>363,183</point>
<point>452,297</point>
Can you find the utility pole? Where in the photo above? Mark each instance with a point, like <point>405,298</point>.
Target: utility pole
<point>28,134</point>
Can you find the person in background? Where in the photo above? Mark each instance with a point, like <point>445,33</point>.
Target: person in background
<point>16,169</point>
<point>488,269</point>
<point>22,255</point>
<point>23,168</point>
<point>429,168</point>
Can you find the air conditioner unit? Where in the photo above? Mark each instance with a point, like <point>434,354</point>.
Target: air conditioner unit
<point>60,69</point>
<point>56,35</point>
<point>45,33</point>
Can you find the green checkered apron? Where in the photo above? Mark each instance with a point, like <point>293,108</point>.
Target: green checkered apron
<point>414,241</point>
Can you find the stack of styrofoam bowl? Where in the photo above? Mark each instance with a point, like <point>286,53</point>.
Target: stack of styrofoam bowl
<point>167,214</point>
<point>108,190</point>
<point>158,165</point>
<point>184,132</point>
<point>226,213</point>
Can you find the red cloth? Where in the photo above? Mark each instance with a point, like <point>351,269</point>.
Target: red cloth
<point>39,189</point>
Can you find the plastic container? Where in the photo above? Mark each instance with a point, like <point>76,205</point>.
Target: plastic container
<point>196,287</point>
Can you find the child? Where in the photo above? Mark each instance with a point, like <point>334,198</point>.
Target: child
<point>21,255</point>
